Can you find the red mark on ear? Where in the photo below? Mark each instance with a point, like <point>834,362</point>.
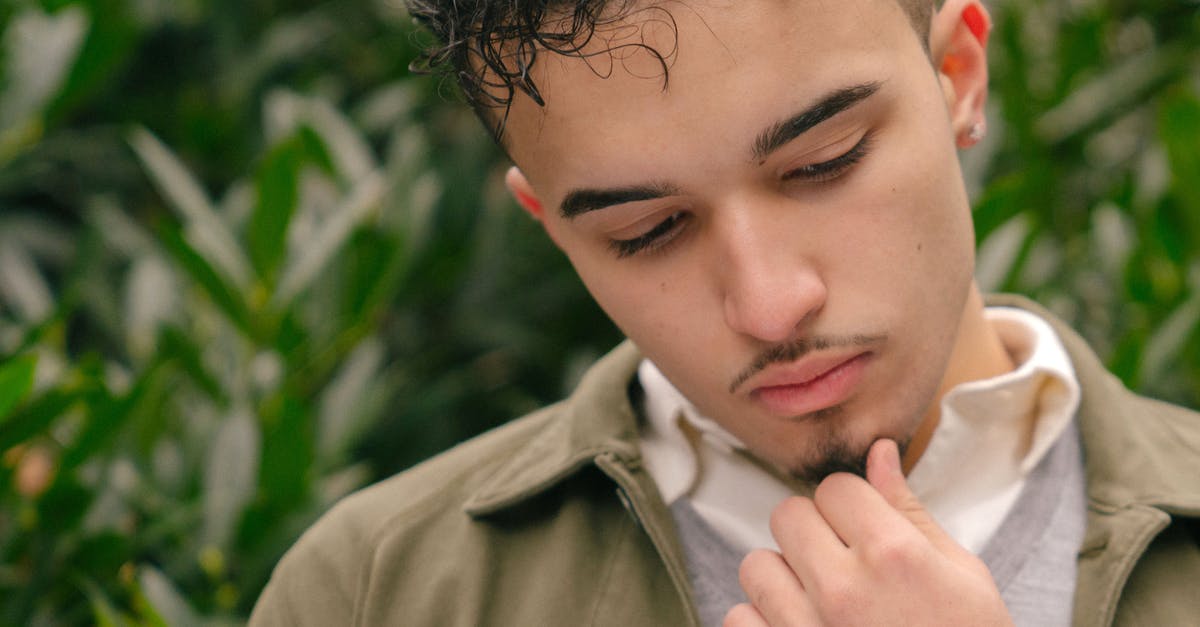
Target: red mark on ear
<point>976,21</point>
<point>530,203</point>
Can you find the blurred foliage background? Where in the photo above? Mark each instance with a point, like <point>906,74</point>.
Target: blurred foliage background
<point>248,263</point>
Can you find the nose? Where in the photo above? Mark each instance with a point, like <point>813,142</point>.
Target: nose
<point>771,286</point>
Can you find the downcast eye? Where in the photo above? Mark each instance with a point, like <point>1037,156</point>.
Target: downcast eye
<point>650,241</point>
<point>835,167</point>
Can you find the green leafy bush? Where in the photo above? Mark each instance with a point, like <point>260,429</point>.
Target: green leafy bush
<point>248,264</point>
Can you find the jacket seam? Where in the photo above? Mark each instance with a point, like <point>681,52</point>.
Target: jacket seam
<point>610,567</point>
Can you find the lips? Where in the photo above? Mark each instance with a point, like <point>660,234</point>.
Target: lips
<point>810,385</point>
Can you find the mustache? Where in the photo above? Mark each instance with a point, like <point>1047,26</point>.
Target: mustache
<point>788,352</point>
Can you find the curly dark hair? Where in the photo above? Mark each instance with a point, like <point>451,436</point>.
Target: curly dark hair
<point>489,47</point>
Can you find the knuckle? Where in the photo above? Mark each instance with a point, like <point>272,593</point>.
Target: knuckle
<point>892,552</point>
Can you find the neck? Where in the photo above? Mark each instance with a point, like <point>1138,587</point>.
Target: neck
<point>978,354</point>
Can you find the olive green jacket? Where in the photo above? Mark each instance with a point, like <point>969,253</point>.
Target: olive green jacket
<point>553,520</point>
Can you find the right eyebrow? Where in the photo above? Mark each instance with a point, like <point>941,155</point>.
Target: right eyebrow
<point>780,133</point>
<point>584,200</point>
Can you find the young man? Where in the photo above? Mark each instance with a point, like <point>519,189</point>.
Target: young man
<point>765,196</point>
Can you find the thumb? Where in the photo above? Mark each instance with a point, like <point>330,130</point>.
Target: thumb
<point>885,475</point>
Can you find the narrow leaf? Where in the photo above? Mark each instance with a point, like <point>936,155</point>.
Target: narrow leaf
<point>341,404</point>
<point>278,194</point>
<point>151,299</point>
<point>230,476</point>
<point>34,418</point>
<point>1109,93</point>
<point>102,608</point>
<point>998,253</point>
<point>38,50</point>
<point>1163,347</point>
<point>306,264</point>
<point>226,297</point>
<point>1179,128</point>
<point>165,600</point>
<point>22,284</point>
<point>16,379</point>
<point>349,150</point>
<point>203,227</point>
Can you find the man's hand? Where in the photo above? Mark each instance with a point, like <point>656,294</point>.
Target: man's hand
<point>862,553</point>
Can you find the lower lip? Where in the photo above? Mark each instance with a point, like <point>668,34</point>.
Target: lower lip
<point>827,390</point>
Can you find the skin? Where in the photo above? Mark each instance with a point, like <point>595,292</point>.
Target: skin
<point>772,250</point>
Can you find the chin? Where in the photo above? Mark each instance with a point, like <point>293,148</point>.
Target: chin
<point>836,447</point>
<point>834,456</point>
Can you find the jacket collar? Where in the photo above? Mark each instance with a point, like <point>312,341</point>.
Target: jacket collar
<point>597,420</point>
<point>1138,451</point>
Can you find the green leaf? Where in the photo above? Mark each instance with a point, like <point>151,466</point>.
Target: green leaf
<point>307,262</point>
<point>227,298</point>
<point>346,152</point>
<point>288,453</point>
<point>164,604</point>
<point>39,50</point>
<point>349,151</point>
<point>102,608</point>
<point>342,411</point>
<point>999,253</point>
<point>35,417</point>
<point>16,379</point>
<point>1164,346</point>
<point>230,475</point>
<point>203,227</point>
<point>278,194</point>
<point>183,351</point>
<point>1179,129</point>
<point>22,284</point>
<point>106,415</point>
<point>111,39</point>
<point>1110,94</point>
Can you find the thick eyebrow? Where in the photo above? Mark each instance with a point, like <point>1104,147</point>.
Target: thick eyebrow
<point>785,131</point>
<point>585,200</point>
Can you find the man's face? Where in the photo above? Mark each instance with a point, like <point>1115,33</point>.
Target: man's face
<point>783,229</point>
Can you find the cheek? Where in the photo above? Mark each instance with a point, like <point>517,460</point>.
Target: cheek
<point>637,302</point>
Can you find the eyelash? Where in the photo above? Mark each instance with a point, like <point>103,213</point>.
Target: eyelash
<point>650,241</point>
<point>835,167</point>
<point>664,232</point>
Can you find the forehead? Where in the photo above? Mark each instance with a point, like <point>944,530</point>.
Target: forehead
<point>674,77</point>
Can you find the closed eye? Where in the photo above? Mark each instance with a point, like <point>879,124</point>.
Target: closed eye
<point>650,241</point>
<point>833,168</point>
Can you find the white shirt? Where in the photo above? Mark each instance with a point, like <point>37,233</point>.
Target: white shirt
<point>991,434</point>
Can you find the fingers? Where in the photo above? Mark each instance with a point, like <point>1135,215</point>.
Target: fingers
<point>807,542</point>
<point>775,592</point>
<point>885,475</point>
<point>858,513</point>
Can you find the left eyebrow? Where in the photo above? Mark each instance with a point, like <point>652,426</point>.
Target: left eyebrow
<point>584,200</point>
<point>780,133</point>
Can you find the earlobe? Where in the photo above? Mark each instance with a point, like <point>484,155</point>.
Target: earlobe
<point>522,192</point>
<point>958,43</point>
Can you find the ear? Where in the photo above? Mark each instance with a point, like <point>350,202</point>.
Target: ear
<point>958,44</point>
<point>522,191</point>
